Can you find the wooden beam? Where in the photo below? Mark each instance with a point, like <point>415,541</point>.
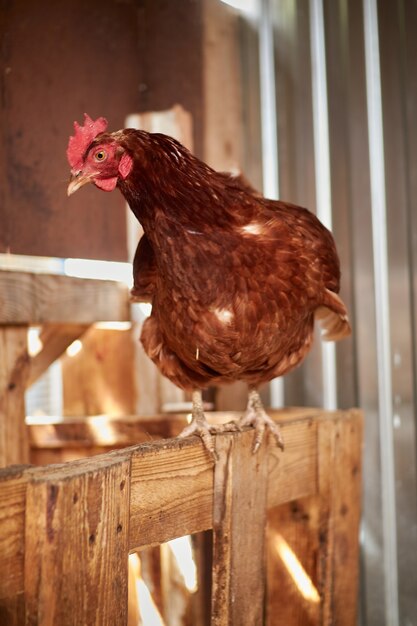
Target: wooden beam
<point>239,523</point>
<point>76,544</point>
<point>42,298</point>
<point>55,339</point>
<point>14,368</point>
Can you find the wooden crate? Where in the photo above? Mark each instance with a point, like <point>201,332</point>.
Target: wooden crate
<point>66,529</point>
<point>284,524</point>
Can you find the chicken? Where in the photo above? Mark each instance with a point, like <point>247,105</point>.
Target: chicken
<point>236,280</point>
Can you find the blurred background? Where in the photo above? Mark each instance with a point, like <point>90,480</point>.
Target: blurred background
<point>316,102</point>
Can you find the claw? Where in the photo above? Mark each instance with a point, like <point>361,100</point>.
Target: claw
<point>256,416</point>
<point>199,426</point>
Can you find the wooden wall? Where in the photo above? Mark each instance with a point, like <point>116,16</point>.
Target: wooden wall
<point>59,59</point>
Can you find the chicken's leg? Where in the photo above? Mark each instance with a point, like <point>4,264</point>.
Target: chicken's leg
<point>200,426</point>
<point>256,416</point>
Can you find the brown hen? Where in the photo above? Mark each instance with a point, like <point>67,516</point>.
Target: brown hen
<point>235,280</point>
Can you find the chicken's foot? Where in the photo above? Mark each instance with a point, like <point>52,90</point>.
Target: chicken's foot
<point>257,417</point>
<point>199,425</point>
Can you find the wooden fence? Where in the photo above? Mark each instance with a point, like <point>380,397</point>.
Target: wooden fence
<point>66,529</point>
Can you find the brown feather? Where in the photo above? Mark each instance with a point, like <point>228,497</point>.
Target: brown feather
<point>236,280</point>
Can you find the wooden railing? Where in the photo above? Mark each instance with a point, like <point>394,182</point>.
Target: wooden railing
<point>65,307</point>
<point>66,529</point>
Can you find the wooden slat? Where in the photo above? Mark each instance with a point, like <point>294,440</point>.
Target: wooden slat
<point>171,481</point>
<point>14,367</point>
<point>293,473</point>
<point>12,542</point>
<point>321,531</point>
<point>239,521</point>
<point>76,545</point>
<point>43,298</point>
<point>293,533</point>
<point>345,520</point>
<point>91,430</point>
<point>55,339</point>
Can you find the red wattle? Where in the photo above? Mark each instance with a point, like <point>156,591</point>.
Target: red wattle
<point>106,184</point>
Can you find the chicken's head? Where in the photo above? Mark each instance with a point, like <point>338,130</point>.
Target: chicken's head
<point>96,157</point>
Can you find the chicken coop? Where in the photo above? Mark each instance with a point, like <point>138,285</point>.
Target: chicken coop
<point>113,511</point>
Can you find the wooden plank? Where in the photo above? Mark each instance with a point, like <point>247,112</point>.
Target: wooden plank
<point>55,339</point>
<point>12,530</point>
<point>239,522</point>
<point>87,431</point>
<point>42,298</point>
<point>321,534</point>
<point>346,512</point>
<point>172,482</point>
<point>172,485</point>
<point>14,368</point>
<point>293,473</point>
<point>101,378</point>
<point>76,544</point>
<point>102,430</point>
<point>292,549</point>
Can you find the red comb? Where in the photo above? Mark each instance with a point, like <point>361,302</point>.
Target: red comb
<point>84,135</point>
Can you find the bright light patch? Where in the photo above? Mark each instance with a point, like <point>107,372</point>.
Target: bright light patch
<point>105,430</point>
<point>35,344</point>
<point>74,348</point>
<point>183,553</point>
<point>253,228</point>
<point>223,315</point>
<point>297,572</point>
<point>101,270</point>
<point>113,325</point>
<point>145,308</point>
<point>45,420</point>
<point>250,7</point>
<point>149,614</point>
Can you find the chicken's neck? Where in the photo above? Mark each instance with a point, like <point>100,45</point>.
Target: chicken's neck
<point>180,206</point>
<point>173,194</point>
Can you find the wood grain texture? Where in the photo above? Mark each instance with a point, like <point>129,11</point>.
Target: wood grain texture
<point>341,571</point>
<point>101,378</point>
<point>321,531</point>
<point>76,544</point>
<point>42,298</point>
<point>55,339</point>
<point>293,531</point>
<point>171,491</point>
<point>12,528</point>
<point>239,521</point>
<point>14,368</point>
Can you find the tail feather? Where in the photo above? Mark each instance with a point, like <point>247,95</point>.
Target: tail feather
<point>333,318</point>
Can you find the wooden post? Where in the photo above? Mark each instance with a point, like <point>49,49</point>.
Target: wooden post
<point>340,499</point>
<point>12,545</point>
<point>239,523</point>
<point>76,544</point>
<point>313,548</point>
<point>14,369</point>
<point>55,339</point>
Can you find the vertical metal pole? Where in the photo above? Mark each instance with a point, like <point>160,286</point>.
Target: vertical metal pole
<point>270,163</point>
<point>380,254</point>
<point>322,170</point>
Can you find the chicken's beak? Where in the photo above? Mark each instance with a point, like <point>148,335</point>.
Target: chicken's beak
<point>76,181</point>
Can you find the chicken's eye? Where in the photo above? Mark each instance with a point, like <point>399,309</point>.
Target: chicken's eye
<point>100,155</point>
